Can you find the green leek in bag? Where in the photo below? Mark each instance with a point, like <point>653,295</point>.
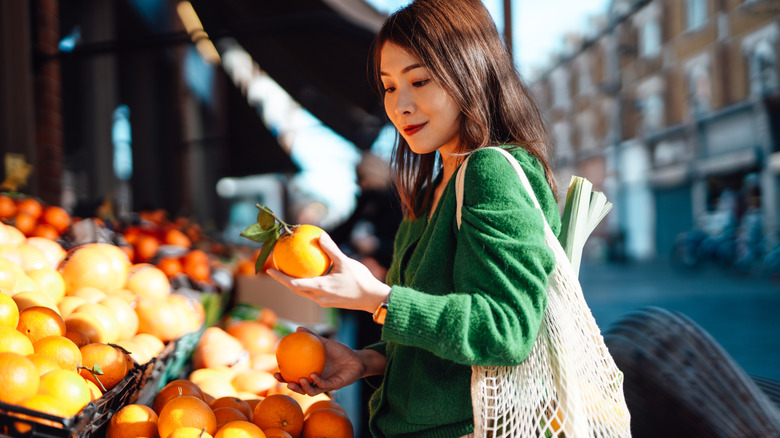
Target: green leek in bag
<point>583,211</point>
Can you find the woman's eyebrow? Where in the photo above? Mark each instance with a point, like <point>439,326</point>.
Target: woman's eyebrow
<point>406,69</point>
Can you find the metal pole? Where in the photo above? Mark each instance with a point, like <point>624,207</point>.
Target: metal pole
<point>508,27</point>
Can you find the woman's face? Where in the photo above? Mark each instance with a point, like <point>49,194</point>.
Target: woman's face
<point>424,114</point>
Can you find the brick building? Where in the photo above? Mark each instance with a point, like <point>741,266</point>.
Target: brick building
<point>671,107</point>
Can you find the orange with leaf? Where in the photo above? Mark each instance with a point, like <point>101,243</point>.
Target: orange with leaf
<point>295,249</point>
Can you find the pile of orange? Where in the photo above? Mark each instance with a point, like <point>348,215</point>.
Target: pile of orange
<point>182,408</point>
<point>33,218</point>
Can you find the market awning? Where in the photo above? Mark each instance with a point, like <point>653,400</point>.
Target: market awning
<point>317,50</point>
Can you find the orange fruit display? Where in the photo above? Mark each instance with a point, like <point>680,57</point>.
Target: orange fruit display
<point>111,360</point>
<point>98,265</point>
<point>279,411</point>
<point>19,378</point>
<point>133,421</point>
<point>39,322</point>
<point>216,347</point>
<point>299,355</point>
<point>298,254</point>
<point>68,387</point>
<point>186,411</point>
<point>41,403</point>
<point>12,341</point>
<point>62,349</point>
<point>327,423</point>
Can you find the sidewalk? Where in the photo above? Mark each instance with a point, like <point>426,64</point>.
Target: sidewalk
<point>741,313</point>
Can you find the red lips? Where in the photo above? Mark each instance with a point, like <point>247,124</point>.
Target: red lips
<point>413,129</point>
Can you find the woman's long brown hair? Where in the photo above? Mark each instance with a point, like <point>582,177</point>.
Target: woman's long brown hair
<point>458,42</point>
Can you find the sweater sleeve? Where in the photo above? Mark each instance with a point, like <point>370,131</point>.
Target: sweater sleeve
<point>500,269</point>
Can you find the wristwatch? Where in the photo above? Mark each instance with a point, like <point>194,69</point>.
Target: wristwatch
<point>381,312</point>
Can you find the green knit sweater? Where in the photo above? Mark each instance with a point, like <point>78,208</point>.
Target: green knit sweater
<point>463,297</point>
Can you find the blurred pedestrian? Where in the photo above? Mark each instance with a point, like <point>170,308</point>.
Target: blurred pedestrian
<point>454,296</point>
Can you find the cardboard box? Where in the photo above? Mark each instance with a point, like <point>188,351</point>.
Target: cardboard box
<point>263,291</point>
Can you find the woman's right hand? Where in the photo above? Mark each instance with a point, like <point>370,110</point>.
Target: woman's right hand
<point>343,367</point>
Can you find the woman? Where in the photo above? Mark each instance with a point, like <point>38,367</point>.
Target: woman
<point>455,297</point>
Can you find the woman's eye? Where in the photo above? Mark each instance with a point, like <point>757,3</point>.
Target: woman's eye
<point>389,90</point>
<point>420,83</point>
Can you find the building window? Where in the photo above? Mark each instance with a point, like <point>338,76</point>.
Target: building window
<point>653,112</point>
<point>700,90</point>
<point>651,38</point>
<point>763,70</point>
<point>696,13</point>
<point>560,89</point>
<point>584,80</point>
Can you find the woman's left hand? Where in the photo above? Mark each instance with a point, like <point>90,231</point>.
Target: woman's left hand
<point>348,285</point>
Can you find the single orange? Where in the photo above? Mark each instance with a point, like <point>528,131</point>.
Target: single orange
<point>217,347</point>
<point>327,423</point>
<point>57,217</point>
<point>45,231</point>
<point>147,280</point>
<point>299,355</point>
<point>105,318</point>
<point>254,381</point>
<point>255,336</point>
<point>239,429</point>
<point>161,318</point>
<point>186,411</point>
<point>173,390</point>
<point>232,402</point>
<point>145,248</point>
<point>88,325</point>
<point>43,362</point>
<point>94,392</point>
<point>9,311</point>
<point>12,341</point>
<point>41,403</point>
<point>323,404</point>
<point>68,387</point>
<point>172,236</point>
<point>98,265</point>
<point>280,411</point>
<point>217,388</point>
<point>190,432</point>
<point>19,378</point>
<point>195,264</point>
<point>7,207</point>
<point>32,257</point>
<point>245,267</point>
<point>298,254</point>
<point>78,338</point>
<point>88,293</point>
<point>11,235</point>
<point>152,343</point>
<point>133,421</point>
<point>30,206</point>
<point>111,360</point>
<point>62,349</point>
<point>170,265</point>
<point>39,322</point>
<point>49,282</point>
<point>187,383</point>
<point>25,223</point>
<point>53,251</point>
<point>275,432</point>
<point>226,415</point>
<point>124,314</point>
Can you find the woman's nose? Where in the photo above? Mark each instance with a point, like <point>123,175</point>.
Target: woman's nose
<point>404,103</point>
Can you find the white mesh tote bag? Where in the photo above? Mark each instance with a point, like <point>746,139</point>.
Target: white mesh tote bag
<point>569,386</point>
